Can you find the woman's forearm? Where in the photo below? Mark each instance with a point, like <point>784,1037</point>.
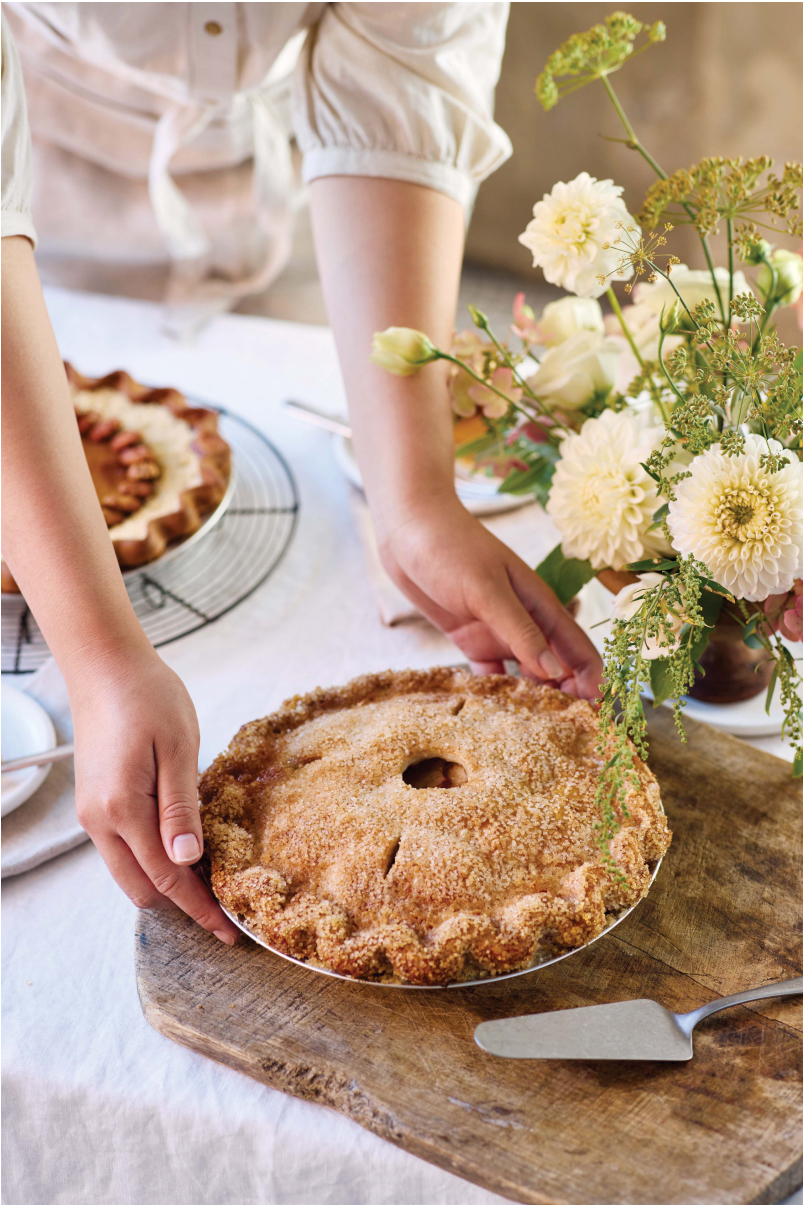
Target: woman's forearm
<point>54,537</point>
<point>389,254</point>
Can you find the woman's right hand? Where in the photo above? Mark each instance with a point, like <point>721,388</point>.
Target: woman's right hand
<point>486,599</point>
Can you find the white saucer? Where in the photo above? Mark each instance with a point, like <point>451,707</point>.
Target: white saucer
<point>480,495</point>
<point>739,719</point>
<point>27,728</point>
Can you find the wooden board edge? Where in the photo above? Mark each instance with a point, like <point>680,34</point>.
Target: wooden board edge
<point>782,1186</point>
<point>332,1091</point>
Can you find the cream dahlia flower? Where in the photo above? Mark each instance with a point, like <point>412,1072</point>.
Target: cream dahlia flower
<point>743,522</point>
<point>602,501</point>
<point>570,229</point>
<point>629,601</point>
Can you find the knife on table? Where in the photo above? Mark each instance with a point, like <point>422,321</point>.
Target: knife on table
<point>631,1029</point>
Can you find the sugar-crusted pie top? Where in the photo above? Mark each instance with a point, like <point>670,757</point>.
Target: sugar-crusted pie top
<point>425,825</point>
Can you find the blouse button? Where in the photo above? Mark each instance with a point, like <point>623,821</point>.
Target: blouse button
<point>213,28</point>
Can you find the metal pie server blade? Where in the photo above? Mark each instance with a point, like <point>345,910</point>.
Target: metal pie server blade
<point>631,1029</point>
<point>634,1029</point>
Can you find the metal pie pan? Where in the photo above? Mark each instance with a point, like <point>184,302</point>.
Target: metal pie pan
<point>539,964</point>
<point>177,547</point>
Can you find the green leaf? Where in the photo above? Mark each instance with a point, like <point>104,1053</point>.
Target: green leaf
<point>655,566</point>
<point>485,443</point>
<point>752,642</point>
<point>658,517</point>
<point>660,681</point>
<point>709,584</point>
<point>524,481</point>
<point>710,605</point>
<point>797,764</point>
<point>566,575</point>
<point>771,689</point>
<point>650,473</point>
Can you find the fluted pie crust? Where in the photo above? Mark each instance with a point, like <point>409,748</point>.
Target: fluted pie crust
<point>131,476</point>
<point>318,843</point>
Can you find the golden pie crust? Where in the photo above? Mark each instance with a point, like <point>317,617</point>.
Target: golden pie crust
<point>127,473</point>
<point>318,843</point>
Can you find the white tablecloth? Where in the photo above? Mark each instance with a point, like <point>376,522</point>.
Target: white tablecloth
<point>97,1106</point>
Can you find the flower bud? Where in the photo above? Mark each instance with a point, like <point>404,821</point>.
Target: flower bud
<point>758,252</point>
<point>788,267</point>
<point>402,351</point>
<point>670,318</point>
<point>479,319</point>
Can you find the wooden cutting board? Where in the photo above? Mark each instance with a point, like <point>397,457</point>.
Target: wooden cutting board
<point>725,914</point>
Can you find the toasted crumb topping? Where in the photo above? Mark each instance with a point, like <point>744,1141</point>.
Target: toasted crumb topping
<point>324,849</point>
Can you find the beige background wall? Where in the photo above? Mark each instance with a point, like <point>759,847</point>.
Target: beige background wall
<point>728,80</point>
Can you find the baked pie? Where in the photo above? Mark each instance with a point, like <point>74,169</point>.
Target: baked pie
<point>158,464</point>
<point>426,826</point>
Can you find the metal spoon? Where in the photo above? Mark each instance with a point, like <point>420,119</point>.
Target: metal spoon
<point>60,753</point>
<point>631,1029</point>
<point>309,414</point>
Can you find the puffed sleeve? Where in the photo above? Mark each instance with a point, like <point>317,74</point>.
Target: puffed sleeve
<point>17,173</point>
<point>403,91</point>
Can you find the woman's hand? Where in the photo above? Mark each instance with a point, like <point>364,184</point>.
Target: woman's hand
<point>486,599</point>
<point>136,769</point>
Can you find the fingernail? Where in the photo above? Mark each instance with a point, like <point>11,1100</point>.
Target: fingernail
<point>186,848</point>
<point>229,938</point>
<point>550,665</point>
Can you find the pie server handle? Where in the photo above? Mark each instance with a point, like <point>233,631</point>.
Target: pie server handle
<point>630,1029</point>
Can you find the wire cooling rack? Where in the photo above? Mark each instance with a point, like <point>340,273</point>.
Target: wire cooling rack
<point>214,574</point>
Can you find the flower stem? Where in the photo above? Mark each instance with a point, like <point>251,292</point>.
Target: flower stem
<point>665,371</point>
<point>729,225</point>
<point>659,171</point>
<point>548,432</point>
<point>617,309</point>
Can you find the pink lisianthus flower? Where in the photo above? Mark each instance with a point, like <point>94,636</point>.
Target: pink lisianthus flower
<point>785,612</point>
<point>491,404</point>
<point>534,431</point>
<point>524,322</point>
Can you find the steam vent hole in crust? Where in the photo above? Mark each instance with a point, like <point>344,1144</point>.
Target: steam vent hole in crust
<point>435,772</point>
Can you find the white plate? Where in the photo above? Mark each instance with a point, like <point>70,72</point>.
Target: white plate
<point>27,728</point>
<point>739,719</point>
<point>480,495</point>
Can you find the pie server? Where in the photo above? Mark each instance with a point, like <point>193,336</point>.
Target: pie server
<point>631,1029</point>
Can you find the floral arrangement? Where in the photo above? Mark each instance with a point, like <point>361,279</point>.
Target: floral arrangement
<point>664,439</point>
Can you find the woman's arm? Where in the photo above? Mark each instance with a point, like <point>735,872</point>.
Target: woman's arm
<point>390,254</point>
<point>136,734</point>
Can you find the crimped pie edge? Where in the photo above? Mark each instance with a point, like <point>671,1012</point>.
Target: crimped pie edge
<point>465,945</point>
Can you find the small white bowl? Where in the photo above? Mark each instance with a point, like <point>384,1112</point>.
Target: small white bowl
<point>27,728</point>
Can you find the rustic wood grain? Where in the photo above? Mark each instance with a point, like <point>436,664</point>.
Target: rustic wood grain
<point>724,914</point>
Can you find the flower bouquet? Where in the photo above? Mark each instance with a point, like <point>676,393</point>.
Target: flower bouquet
<point>664,439</point>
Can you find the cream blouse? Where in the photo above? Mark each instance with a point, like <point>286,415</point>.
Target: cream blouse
<point>152,92</point>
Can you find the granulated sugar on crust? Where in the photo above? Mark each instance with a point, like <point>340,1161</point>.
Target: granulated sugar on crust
<point>317,841</point>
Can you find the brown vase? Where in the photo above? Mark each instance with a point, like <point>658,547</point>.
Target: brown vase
<point>733,672</point>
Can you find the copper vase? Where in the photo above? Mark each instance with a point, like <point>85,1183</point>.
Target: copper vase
<point>733,672</point>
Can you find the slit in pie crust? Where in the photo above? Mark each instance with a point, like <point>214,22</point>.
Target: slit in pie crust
<point>317,839</point>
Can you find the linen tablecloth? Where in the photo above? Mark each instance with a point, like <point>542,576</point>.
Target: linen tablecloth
<point>98,1106</point>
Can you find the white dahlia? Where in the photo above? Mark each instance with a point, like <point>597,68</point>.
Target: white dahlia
<point>569,230</point>
<point>601,499</point>
<point>742,521</point>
